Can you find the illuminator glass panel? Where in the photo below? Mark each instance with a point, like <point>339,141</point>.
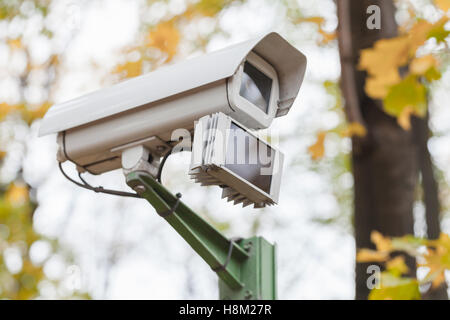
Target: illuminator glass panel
<point>250,158</point>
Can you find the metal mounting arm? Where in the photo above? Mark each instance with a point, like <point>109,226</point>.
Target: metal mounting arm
<point>246,268</point>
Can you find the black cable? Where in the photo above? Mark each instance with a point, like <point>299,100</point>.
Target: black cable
<point>169,212</point>
<point>84,181</point>
<point>87,186</point>
<point>161,166</point>
<point>69,178</point>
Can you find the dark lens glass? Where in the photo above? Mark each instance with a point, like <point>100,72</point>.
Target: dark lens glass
<point>256,87</point>
<point>250,158</point>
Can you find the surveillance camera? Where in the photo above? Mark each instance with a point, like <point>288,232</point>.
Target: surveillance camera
<point>252,83</point>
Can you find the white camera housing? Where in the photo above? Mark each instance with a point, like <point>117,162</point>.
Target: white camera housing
<point>94,130</point>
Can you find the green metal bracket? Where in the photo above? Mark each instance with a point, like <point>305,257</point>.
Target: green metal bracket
<point>259,272</point>
<point>246,268</point>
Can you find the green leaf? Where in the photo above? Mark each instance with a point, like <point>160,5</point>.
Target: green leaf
<point>396,288</point>
<point>408,93</point>
<point>438,31</point>
<point>432,74</point>
<point>409,244</point>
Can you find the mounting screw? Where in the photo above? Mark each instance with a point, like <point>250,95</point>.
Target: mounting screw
<point>248,295</point>
<point>248,246</point>
<point>139,188</point>
<point>161,148</point>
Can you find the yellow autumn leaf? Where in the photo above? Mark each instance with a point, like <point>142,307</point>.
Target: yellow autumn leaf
<point>41,111</point>
<point>436,269</point>
<point>397,266</point>
<point>387,55</point>
<point>17,194</point>
<point>421,65</point>
<point>378,87</point>
<point>31,114</point>
<point>383,61</point>
<point>6,109</point>
<point>317,150</point>
<point>444,5</point>
<point>367,255</point>
<point>317,20</point>
<point>166,38</point>
<point>423,30</point>
<point>437,259</point>
<point>354,129</point>
<point>438,279</point>
<point>15,43</point>
<point>54,60</point>
<point>419,34</point>
<point>327,36</point>
<point>130,69</point>
<point>382,243</point>
<point>443,241</point>
<point>404,119</point>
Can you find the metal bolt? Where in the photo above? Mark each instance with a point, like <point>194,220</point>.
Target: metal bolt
<point>248,246</point>
<point>248,295</point>
<point>161,148</point>
<point>139,188</point>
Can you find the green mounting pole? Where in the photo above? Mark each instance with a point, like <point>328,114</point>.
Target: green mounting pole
<point>245,267</point>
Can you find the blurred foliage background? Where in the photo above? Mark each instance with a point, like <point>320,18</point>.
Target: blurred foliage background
<point>38,43</point>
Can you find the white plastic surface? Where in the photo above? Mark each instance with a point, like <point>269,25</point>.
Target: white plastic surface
<point>168,81</point>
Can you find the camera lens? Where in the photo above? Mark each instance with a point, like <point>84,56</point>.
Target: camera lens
<point>256,87</point>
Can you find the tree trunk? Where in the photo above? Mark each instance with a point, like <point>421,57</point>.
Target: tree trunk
<point>387,162</point>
